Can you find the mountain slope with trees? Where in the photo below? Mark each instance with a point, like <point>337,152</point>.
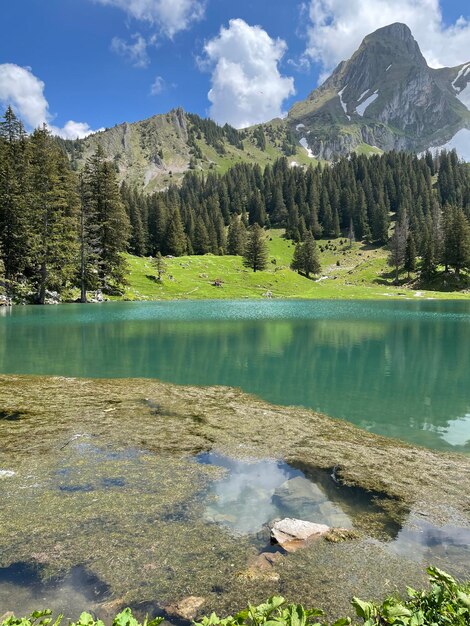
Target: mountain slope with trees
<point>61,231</point>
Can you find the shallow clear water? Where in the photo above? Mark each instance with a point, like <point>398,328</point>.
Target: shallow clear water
<point>400,369</point>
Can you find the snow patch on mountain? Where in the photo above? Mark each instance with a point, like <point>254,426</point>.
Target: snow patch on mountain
<point>459,142</point>
<point>363,94</point>
<point>304,144</point>
<point>462,72</point>
<point>343,104</point>
<point>361,108</point>
<point>464,95</point>
<point>299,126</point>
<point>388,67</point>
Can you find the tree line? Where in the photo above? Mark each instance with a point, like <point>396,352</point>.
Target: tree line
<point>61,229</point>
<point>57,229</point>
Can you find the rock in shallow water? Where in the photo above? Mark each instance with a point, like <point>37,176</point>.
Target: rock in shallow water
<point>293,534</point>
<point>187,608</point>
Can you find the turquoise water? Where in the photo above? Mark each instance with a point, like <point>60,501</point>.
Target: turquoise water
<point>400,369</point>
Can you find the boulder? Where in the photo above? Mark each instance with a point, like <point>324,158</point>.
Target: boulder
<point>187,608</point>
<point>299,497</point>
<point>292,534</point>
<point>6,616</point>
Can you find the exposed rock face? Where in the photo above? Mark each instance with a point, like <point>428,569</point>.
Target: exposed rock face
<point>292,534</point>
<point>385,96</point>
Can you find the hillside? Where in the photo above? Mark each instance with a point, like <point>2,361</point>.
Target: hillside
<point>156,152</point>
<point>385,97</point>
<point>362,273</point>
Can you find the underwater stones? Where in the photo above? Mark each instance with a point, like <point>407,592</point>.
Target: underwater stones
<point>334,516</point>
<point>186,608</point>
<point>293,534</point>
<point>299,495</point>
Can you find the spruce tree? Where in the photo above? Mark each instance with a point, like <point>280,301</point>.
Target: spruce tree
<point>457,240</point>
<point>54,210</point>
<point>175,238</point>
<point>113,226</point>
<point>160,266</point>
<point>410,255</point>
<point>255,254</point>
<point>397,246</point>
<point>15,226</point>
<point>236,237</point>
<point>311,258</point>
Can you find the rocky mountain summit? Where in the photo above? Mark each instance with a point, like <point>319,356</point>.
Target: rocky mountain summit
<point>385,96</point>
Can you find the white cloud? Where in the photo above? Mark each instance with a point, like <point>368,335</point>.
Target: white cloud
<point>24,91</point>
<point>336,28</point>
<point>171,16</point>
<point>247,87</point>
<point>135,52</point>
<point>158,86</point>
<point>74,130</point>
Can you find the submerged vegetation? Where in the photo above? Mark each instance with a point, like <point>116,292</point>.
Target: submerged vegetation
<point>445,603</point>
<point>111,465</point>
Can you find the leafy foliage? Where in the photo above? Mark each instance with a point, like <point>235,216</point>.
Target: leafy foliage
<point>445,603</point>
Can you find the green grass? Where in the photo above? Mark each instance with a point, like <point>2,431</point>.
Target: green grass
<point>362,273</point>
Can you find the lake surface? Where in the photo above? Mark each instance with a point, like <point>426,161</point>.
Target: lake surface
<point>400,369</point>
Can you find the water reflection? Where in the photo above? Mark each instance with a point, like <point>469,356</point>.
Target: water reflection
<point>256,492</point>
<point>23,590</point>
<point>429,544</point>
<point>400,369</point>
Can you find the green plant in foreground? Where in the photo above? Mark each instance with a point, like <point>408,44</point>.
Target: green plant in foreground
<point>446,603</point>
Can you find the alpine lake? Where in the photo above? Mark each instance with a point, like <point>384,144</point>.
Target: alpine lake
<point>145,449</point>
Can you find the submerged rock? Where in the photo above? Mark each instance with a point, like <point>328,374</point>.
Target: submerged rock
<point>187,608</point>
<point>293,534</point>
<point>299,496</point>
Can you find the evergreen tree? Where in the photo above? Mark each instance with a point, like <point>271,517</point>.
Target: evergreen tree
<point>15,223</point>
<point>54,209</point>
<point>311,258</point>
<point>457,240</point>
<point>112,222</point>
<point>410,255</point>
<point>175,239</point>
<point>397,247</point>
<point>160,266</point>
<point>255,254</point>
<point>88,237</point>
<point>236,237</point>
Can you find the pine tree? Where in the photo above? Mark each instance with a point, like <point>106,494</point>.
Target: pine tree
<point>175,238</point>
<point>311,258</point>
<point>15,229</point>
<point>236,236</point>
<point>457,240</point>
<point>297,263</point>
<point>112,221</point>
<point>255,254</point>
<point>410,255</point>
<point>202,243</point>
<point>88,237</point>
<point>54,210</point>
<point>397,247</point>
<point>160,266</point>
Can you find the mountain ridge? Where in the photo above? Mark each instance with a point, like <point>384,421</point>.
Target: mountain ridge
<point>385,97</point>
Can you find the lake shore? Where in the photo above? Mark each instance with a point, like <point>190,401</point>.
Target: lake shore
<point>52,425</point>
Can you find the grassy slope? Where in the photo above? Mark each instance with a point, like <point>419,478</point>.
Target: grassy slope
<point>362,274</point>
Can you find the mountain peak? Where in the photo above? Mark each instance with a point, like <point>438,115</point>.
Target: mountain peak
<point>385,96</point>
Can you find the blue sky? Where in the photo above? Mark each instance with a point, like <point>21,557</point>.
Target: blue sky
<point>95,61</point>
